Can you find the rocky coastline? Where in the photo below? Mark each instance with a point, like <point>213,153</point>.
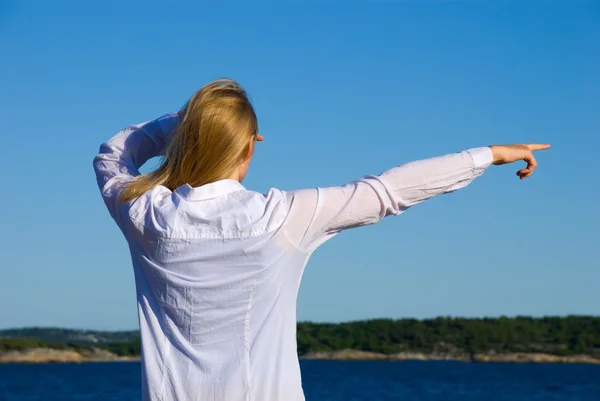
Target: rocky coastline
<point>49,355</point>
<point>356,355</point>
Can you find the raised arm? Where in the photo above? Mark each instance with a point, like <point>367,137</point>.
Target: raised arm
<point>318,214</point>
<point>119,158</point>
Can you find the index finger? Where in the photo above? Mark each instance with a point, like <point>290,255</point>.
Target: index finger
<point>538,146</point>
<point>260,138</point>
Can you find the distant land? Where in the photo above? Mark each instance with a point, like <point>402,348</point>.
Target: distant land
<point>570,339</point>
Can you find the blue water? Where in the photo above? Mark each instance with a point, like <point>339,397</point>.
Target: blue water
<point>329,381</point>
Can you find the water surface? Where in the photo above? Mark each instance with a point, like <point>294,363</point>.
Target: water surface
<point>329,381</point>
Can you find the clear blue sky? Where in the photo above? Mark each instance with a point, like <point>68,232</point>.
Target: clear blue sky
<point>341,90</point>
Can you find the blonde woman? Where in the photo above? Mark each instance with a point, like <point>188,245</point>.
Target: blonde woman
<point>217,267</point>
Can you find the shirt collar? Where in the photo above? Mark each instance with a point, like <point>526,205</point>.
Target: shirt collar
<point>209,191</point>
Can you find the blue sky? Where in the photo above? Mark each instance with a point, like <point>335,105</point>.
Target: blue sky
<point>341,90</point>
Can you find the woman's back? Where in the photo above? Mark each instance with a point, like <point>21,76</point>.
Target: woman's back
<point>217,281</point>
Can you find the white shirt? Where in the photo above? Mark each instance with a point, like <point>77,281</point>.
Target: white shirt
<point>217,268</point>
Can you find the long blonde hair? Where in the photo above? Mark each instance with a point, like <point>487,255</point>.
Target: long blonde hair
<point>211,141</point>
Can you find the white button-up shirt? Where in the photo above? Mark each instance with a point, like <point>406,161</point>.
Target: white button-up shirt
<point>217,268</point>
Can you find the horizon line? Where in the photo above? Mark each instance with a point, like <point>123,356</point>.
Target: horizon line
<point>540,317</point>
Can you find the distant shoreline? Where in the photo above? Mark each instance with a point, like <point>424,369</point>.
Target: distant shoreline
<point>550,339</point>
<point>490,357</point>
<point>48,355</point>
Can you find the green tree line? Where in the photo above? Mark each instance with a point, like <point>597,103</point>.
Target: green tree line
<point>554,335</point>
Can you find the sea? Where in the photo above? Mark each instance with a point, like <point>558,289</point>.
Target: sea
<point>329,381</point>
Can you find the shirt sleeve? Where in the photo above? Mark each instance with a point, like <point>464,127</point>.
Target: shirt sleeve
<point>119,158</point>
<point>317,214</point>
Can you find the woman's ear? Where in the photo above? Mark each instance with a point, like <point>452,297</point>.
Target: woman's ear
<point>250,148</point>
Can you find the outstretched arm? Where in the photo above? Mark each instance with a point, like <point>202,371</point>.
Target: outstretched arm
<point>119,158</point>
<point>319,214</point>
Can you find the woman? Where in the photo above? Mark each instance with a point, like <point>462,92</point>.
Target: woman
<point>217,267</point>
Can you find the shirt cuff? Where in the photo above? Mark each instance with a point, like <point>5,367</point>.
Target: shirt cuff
<point>168,123</point>
<point>482,157</point>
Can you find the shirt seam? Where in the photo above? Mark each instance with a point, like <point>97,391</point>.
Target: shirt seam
<point>168,236</point>
<point>312,219</point>
<point>305,252</point>
<point>247,342</point>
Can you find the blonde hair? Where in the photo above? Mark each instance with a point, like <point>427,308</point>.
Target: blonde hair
<point>211,141</point>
